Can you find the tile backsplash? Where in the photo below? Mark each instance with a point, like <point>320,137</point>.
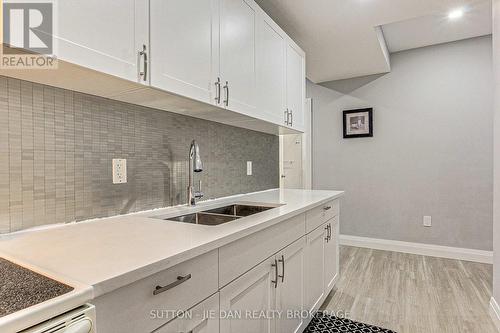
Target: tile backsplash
<point>57,146</point>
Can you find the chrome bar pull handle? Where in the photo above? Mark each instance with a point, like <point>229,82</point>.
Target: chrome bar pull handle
<point>282,261</point>
<point>180,280</point>
<point>275,281</point>
<point>327,233</point>
<point>226,94</point>
<point>144,56</point>
<point>217,90</point>
<point>291,117</point>
<point>286,117</point>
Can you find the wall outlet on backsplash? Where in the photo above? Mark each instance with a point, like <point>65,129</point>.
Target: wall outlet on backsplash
<point>119,171</point>
<point>249,168</point>
<point>427,221</point>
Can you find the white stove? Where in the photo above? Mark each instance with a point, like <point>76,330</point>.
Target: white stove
<point>79,320</point>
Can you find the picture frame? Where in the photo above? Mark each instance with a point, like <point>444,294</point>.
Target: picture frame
<point>358,123</point>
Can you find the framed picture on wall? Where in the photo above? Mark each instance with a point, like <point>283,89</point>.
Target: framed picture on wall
<point>358,123</point>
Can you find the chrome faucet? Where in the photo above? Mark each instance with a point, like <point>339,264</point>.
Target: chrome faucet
<point>195,165</point>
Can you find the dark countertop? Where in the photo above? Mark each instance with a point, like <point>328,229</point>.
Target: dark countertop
<point>21,288</point>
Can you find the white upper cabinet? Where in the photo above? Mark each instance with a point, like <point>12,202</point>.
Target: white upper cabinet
<point>237,54</point>
<point>295,86</point>
<point>226,53</point>
<point>270,65</point>
<point>107,36</point>
<point>184,47</point>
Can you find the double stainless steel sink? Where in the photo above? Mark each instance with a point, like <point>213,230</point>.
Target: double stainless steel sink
<point>221,215</point>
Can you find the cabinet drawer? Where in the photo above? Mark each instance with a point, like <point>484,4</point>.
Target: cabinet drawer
<point>319,215</point>
<point>238,257</point>
<point>134,308</point>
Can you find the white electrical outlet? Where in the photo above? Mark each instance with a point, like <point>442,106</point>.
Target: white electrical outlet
<point>427,221</point>
<point>119,171</point>
<point>249,168</point>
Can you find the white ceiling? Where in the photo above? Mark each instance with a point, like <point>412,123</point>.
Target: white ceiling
<point>341,39</point>
<point>437,29</point>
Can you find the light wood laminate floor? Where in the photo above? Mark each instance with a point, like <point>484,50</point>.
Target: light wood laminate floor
<point>411,293</point>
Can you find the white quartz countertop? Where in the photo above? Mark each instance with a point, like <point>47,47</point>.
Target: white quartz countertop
<point>109,253</point>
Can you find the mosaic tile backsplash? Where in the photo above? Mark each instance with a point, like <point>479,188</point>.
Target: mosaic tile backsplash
<point>56,148</point>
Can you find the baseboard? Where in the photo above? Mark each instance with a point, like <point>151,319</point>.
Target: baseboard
<point>419,248</point>
<point>495,313</point>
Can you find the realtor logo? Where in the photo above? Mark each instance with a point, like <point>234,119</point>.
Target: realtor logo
<point>28,35</point>
<point>28,26</point>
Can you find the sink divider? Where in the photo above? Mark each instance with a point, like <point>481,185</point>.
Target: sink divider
<point>218,214</point>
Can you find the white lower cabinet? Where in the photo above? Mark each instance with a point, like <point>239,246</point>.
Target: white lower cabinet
<point>290,291</point>
<point>238,257</point>
<point>262,283</point>
<point>147,304</point>
<point>331,254</point>
<point>252,293</point>
<point>322,263</point>
<point>203,318</point>
<point>315,273</point>
<point>268,298</point>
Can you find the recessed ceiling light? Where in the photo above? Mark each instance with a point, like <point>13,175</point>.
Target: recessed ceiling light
<point>457,13</point>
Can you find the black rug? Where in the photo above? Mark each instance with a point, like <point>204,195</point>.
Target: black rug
<point>323,323</point>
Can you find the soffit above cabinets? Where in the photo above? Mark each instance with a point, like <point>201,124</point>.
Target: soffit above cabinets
<point>341,38</point>
<point>437,28</point>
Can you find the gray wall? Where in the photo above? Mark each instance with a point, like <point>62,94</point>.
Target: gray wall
<point>496,156</point>
<point>56,148</point>
<point>431,153</point>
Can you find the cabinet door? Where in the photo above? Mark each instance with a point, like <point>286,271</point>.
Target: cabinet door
<point>253,292</point>
<point>237,54</point>
<point>295,85</point>
<point>270,65</point>
<point>184,47</point>
<point>106,36</point>
<point>315,272</point>
<point>202,318</point>
<point>331,256</point>
<point>290,292</point>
